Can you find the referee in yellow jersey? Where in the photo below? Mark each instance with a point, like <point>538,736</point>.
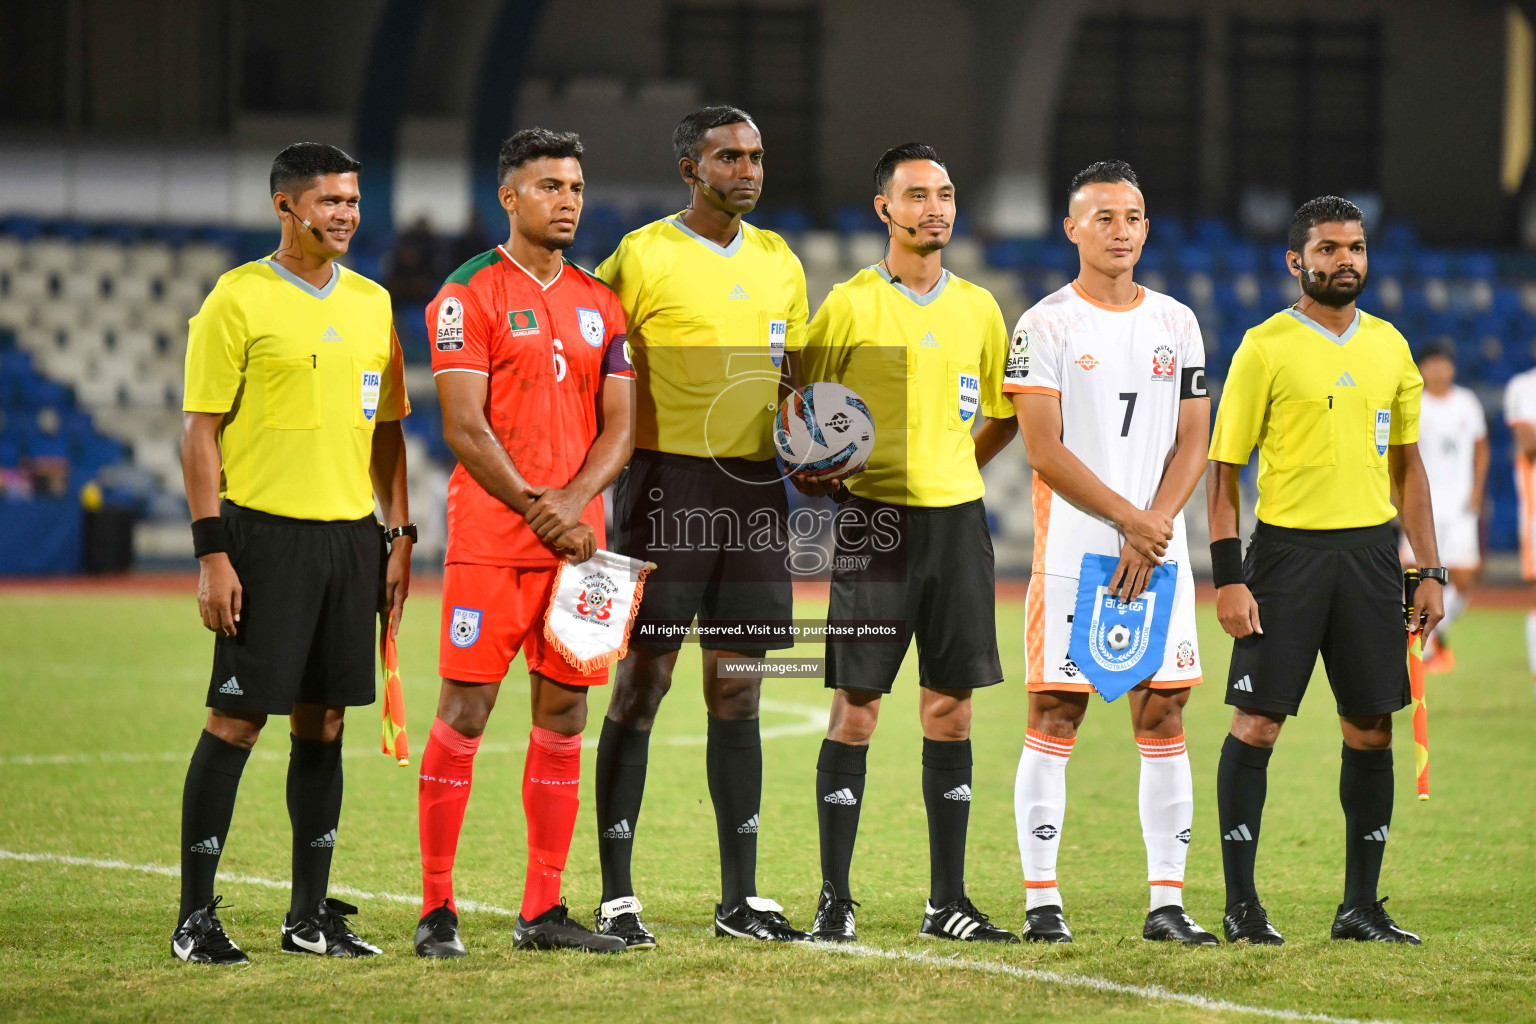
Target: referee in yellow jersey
<point>714,307</point>
<point>294,392</point>
<point>926,351</point>
<point>1330,396</point>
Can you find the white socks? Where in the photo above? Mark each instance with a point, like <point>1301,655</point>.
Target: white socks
<point>1039,803</point>
<point>1167,801</point>
<point>1455,604</point>
<point>1530,640</point>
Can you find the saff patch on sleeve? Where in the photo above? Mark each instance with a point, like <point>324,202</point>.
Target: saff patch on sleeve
<point>450,325</point>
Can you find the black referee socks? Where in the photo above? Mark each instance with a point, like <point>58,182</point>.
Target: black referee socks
<point>734,762</point>
<point>207,804</point>
<point>840,774</point>
<point>947,795</point>
<point>1365,791</point>
<point>619,780</point>
<point>1242,782</point>
<point>314,809</point>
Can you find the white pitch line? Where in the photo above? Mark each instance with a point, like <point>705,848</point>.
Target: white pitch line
<point>813,720</point>
<point>1148,992</point>
<point>1151,993</point>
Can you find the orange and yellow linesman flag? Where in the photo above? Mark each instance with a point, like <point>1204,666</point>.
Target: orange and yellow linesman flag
<point>393,740</point>
<point>1416,685</point>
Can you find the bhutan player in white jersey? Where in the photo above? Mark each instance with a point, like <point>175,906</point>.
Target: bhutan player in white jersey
<point>1453,442</point>
<point>1108,379</point>
<point>1520,414</point>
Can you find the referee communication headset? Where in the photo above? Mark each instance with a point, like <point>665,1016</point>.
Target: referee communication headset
<point>289,211</point>
<point>1312,275</point>
<point>700,181</point>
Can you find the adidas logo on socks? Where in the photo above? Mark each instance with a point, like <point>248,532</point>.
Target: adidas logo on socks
<point>209,845</point>
<point>327,840</point>
<point>620,831</point>
<point>1239,835</point>
<point>960,792</point>
<point>843,796</point>
<point>748,827</point>
<point>1380,835</point>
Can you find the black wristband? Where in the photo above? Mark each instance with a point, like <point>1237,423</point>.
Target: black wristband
<point>208,536</point>
<point>1226,561</point>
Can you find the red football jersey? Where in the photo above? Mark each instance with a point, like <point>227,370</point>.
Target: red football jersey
<point>546,349</point>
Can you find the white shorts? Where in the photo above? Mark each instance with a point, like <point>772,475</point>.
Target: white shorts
<point>1048,608</point>
<point>1456,537</point>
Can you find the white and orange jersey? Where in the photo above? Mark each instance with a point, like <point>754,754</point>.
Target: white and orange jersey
<point>1450,426</point>
<point>1520,407</point>
<point>1120,372</point>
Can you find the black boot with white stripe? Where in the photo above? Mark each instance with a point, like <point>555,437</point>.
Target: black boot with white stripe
<point>961,921</point>
<point>201,940</point>
<point>834,917</point>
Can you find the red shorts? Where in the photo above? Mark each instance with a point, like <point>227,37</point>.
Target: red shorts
<point>489,611</point>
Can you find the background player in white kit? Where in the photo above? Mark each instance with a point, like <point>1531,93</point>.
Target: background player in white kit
<point>1109,382</point>
<point>1453,442</point>
<point>1520,414</point>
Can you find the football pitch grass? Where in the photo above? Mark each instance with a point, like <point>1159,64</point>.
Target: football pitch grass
<point>103,699</point>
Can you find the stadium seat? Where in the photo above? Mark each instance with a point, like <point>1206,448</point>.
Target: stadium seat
<point>30,284</point>
<point>133,288</point>
<point>150,259</point>
<point>82,286</point>
<point>51,255</point>
<point>101,256</point>
<point>863,248</point>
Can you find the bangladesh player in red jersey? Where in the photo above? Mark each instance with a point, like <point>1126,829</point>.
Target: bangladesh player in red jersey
<point>529,356</point>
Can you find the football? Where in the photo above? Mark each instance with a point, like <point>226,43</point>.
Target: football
<point>823,429</point>
<point>1119,637</point>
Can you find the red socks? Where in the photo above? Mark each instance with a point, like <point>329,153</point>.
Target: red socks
<point>442,793</point>
<point>550,777</point>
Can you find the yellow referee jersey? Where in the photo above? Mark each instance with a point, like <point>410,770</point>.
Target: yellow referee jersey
<point>708,330</point>
<point>1323,409</point>
<point>303,373</point>
<point>926,365</point>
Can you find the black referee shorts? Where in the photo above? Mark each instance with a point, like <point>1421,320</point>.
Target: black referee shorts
<point>311,592</point>
<point>1338,592</point>
<point>922,571</point>
<point>717,531</point>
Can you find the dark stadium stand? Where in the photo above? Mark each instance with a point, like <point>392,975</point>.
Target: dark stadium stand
<point>93,324</point>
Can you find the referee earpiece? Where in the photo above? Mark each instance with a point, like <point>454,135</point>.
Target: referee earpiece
<point>1311,274</point>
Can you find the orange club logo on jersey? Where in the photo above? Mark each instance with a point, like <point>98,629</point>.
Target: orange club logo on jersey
<point>1162,363</point>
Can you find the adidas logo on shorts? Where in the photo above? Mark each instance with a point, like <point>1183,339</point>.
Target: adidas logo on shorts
<point>620,831</point>
<point>1045,833</point>
<point>748,827</point>
<point>232,687</point>
<point>1239,835</point>
<point>326,841</point>
<point>960,792</point>
<point>843,796</point>
<point>1245,684</point>
<point>209,845</point>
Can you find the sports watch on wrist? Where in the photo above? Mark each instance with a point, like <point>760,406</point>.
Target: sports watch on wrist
<point>408,530</point>
<point>1438,574</point>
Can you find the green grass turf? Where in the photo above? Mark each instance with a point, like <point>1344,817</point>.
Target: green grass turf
<point>123,674</point>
